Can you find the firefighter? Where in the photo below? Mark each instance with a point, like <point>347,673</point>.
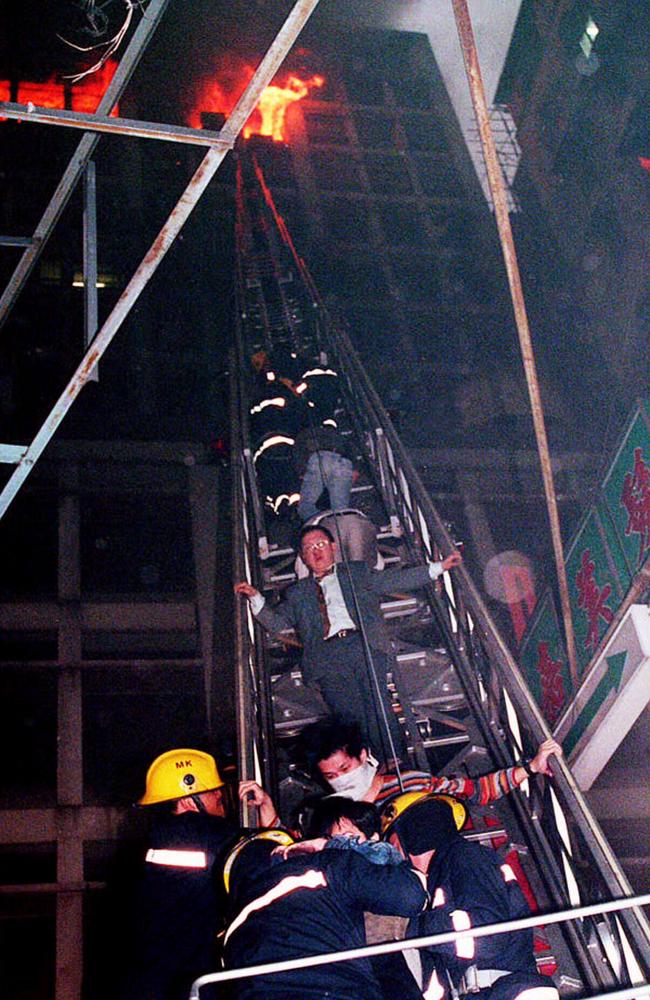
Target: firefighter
<point>468,886</point>
<point>309,904</point>
<point>179,901</point>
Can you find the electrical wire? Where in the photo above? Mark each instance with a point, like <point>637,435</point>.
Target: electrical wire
<point>112,44</point>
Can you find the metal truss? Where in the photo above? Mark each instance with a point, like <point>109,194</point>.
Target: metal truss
<point>35,244</point>
<point>25,458</point>
<point>572,859</point>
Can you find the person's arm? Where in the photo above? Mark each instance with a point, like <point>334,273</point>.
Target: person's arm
<point>490,787</point>
<point>301,847</point>
<point>255,795</point>
<point>467,897</point>
<point>475,889</point>
<point>389,889</point>
<point>412,577</point>
<point>276,620</point>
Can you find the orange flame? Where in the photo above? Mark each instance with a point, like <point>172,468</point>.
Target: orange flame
<point>85,95</point>
<point>268,118</point>
<point>273,104</point>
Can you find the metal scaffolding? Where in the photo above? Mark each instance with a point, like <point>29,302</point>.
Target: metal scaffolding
<point>476,648</point>
<point>179,215</point>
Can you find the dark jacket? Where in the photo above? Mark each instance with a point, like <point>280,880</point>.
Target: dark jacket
<point>313,905</point>
<point>299,609</point>
<point>466,876</point>
<point>321,438</point>
<point>178,909</point>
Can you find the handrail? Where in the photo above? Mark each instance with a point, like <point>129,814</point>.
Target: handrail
<point>425,941</point>
<point>499,655</point>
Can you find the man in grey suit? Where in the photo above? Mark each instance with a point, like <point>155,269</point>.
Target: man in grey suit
<point>326,609</point>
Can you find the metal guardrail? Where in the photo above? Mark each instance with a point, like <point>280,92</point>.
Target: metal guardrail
<point>391,947</point>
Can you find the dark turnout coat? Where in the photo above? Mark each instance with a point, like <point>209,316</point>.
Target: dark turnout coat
<point>179,906</point>
<point>465,878</point>
<point>312,905</point>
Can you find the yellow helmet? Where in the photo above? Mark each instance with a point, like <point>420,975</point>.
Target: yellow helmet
<point>398,806</point>
<point>280,837</point>
<point>179,773</point>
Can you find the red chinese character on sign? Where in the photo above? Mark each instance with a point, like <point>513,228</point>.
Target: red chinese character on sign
<point>592,599</point>
<point>635,497</point>
<point>550,672</point>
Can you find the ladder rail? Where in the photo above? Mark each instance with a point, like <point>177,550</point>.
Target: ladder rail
<point>252,684</point>
<point>424,522</point>
<point>563,835</point>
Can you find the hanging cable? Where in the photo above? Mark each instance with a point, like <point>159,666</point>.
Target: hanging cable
<point>96,17</point>
<point>380,708</point>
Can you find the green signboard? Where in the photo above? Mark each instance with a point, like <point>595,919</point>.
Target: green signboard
<point>609,546</point>
<point>544,663</point>
<point>594,588</point>
<point>626,490</point>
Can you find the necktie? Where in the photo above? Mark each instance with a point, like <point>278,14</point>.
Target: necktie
<point>322,607</point>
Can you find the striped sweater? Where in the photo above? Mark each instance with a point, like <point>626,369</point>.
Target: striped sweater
<point>487,788</point>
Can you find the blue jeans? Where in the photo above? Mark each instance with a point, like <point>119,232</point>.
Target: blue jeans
<point>325,470</point>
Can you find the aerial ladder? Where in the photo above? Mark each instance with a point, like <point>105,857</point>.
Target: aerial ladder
<point>456,688</point>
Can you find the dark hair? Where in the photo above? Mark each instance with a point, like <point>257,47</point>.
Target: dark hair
<point>332,809</point>
<point>322,739</point>
<point>308,528</point>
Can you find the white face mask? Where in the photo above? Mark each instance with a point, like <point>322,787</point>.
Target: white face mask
<point>354,784</point>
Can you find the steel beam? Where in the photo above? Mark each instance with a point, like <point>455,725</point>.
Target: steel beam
<point>16,241</point>
<point>502,217</point>
<point>91,306</point>
<point>49,888</point>
<point>115,126</point>
<point>40,826</point>
<point>141,37</point>
<point>211,162</point>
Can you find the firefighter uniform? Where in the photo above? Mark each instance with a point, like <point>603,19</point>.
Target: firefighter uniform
<point>469,886</point>
<point>179,901</point>
<point>309,905</point>
<point>179,906</point>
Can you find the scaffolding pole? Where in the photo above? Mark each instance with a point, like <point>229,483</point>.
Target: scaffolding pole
<point>499,198</point>
<point>141,37</point>
<point>262,77</point>
<point>29,113</point>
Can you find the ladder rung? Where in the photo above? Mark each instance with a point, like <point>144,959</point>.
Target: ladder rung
<point>444,741</point>
<point>12,453</point>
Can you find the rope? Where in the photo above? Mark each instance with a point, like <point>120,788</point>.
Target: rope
<point>380,706</point>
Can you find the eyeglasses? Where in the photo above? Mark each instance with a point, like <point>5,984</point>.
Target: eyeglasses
<point>316,546</point>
